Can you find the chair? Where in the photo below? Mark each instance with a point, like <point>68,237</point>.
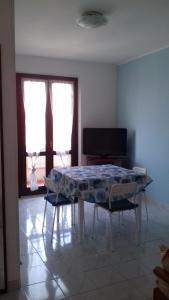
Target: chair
<point>119,201</point>
<point>57,200</point>
<point>142,189</point>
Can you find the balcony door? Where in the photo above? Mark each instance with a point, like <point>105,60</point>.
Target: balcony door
<point>47,127</point>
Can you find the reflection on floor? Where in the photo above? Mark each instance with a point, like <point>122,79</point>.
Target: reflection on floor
<point>64,269</point>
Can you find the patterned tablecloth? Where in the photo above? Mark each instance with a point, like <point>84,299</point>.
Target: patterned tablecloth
<point>92,183</point>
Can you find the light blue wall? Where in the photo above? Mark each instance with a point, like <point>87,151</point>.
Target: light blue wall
<point>143,107</point>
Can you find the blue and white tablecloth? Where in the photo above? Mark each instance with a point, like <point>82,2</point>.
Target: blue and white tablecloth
<point>92,183</point>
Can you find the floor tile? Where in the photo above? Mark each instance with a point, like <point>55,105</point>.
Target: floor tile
<point>18,295</point>
<point>88,296</point>
<point>44,291</point>
<point>33,275</point>
<point>64,269</point>
<point>121,291</point>
<point>150,262</point>
<point>72,285</point>
<point>98,260</point>
<point>26,247</point>
<point>104,276</point>
<point>31,260</point>
<point>145,285</point>
<point>131,269</point>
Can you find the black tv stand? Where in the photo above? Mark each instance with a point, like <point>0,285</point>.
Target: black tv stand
<point>104,156</point>
<point>107,159</point>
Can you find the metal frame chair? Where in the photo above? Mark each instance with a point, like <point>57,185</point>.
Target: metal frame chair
<point>119,201</point>
<point>57,200</point>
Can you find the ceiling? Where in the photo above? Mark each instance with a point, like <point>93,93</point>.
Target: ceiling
<point>48,28</point>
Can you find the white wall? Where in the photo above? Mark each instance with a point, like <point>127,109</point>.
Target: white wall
<point>10,136</point>
<point>96,87</point>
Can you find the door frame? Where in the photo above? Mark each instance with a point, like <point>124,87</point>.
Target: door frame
<point>2,188</point>
<point>21,128</point>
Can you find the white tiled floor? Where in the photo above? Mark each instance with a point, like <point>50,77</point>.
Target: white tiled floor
<point>64,269</point>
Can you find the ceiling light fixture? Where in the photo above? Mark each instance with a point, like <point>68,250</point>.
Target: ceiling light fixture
<point>92,19</point>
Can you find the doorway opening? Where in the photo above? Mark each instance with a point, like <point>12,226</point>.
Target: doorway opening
<point>47,108</point>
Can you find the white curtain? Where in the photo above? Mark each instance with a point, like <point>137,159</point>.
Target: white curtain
<point>62,111</point>
<point>34,92</point>
<point>33,156</point>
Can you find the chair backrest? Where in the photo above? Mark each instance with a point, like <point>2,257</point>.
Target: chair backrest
<point>121,190</point>
<point>140,170</point>
<point>50,185</point>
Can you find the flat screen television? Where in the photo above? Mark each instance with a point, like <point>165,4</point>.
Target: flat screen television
<point>105,141</point>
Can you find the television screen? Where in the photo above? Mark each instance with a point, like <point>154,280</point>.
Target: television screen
<point>105,141</point>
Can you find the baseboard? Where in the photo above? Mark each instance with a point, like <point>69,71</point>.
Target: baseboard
<point>13,285</point>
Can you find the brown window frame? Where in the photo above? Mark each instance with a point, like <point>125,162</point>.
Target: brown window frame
<point>23,190</point>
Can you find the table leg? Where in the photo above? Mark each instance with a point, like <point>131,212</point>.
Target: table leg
<point>80,219</point>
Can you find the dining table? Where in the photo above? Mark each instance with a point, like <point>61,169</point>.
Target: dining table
<point>92,183</point>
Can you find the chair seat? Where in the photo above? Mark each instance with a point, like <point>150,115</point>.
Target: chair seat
<point>119,205</point>
<point>61,200</point>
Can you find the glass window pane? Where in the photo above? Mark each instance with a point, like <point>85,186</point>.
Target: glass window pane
<point>62,160</point>
<point>62,111</point>
<point>34,92</point>
<point>40,172</point>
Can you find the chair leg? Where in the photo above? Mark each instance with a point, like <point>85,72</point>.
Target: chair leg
<point>122,217</point>
<point>119,214</point>
<point>53,223</point>
<point>94,216</point>
<point>111,231</point>
<point>73,213</point>
<point>84,220</point>
<point>97,212</point>
<point>58,213</point>
<point>145,202</point>
<point>137,227</point>
<point>62,211</point>
<point>44,216</point>
<point>72,217</point>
